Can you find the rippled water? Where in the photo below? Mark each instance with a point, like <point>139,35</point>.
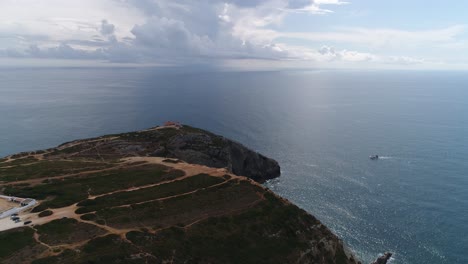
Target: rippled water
<point>320,126</point>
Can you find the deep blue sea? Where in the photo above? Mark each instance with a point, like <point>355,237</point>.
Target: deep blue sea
<point>320,125</point>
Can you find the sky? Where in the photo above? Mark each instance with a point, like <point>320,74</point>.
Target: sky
<point>236,34</point>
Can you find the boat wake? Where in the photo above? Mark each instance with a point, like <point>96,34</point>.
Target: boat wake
<point>385,157</point>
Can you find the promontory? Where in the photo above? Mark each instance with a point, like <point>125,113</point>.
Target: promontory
<point>169,194</point>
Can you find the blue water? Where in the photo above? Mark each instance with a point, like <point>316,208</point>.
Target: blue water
<point>320,126</point>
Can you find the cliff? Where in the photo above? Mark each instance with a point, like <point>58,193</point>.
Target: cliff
<point>186,143</point>
<point>167,194</point>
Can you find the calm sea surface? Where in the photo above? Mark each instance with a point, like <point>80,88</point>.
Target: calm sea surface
<point>320,126</point>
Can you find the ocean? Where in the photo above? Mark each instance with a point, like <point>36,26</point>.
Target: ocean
<point>320,125</point>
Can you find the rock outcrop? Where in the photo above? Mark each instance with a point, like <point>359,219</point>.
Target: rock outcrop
<point>383,259</point>
<point>218,152</point>
<point>186,143</point>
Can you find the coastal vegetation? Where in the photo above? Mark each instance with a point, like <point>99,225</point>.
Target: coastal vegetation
<point>134,198</point>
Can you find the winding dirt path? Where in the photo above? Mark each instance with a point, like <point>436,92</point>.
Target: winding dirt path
<point>40,180</point>
<point>69,211</point>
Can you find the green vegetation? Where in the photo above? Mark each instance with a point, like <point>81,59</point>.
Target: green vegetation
<point>14,240</point>
<point>263,234</point>
<point>57,194</point>
<point>43,169</point>
<point>165,134</point>
<point>17,162</point>
<point>183,209</point>
<point>45,213</point>
<point>148,194</point>
<point>68,255</point>
<point>67,230</point>
<point>107,249</point>
<point>67,191</point>
<point>20,155</point>
<point>171,219</point>
<point>161,135</point>
<point>88,217</point>
<point>127,178</point>
<point>69,150</point>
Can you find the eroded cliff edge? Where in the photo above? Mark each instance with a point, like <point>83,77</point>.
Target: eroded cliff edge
<point>186,143</point>
<point>167,194</point>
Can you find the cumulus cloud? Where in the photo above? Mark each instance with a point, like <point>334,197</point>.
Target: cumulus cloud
<point>183,32</point>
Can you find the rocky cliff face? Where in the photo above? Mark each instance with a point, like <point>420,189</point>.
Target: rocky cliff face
<point>218,152</point>
<point>186,143</point>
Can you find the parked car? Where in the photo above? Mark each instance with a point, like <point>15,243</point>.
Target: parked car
<point>27,222</point>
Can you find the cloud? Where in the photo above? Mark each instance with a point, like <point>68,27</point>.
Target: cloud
<point>404,60</point>
<point>151,30</point>
<point>182,32</point>
<point>312,6</point>
<point>107,28</point>
<point>62,51</point>
<point>245,3</point>
<point>329,2</point>
<point>380,37</point>
<point>331,54</point>
<point>160,38</point>
<point>350,56</point>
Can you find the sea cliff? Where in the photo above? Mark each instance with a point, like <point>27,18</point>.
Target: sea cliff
<point>172,193</point>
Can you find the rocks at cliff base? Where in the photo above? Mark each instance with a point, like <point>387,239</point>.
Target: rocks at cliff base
<point>383,259</point>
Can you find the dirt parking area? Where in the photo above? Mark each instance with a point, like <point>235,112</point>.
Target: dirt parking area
<point>7,223</point>
<point>5,205</point>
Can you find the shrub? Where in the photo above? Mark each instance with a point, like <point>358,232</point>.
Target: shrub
<point>45,213</point>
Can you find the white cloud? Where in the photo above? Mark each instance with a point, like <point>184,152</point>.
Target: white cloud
<point>330,2</point>
<point>379,37</point>
<point>145,30</point>
<point>351,56</point>
<point>196,31</point>
<point>312,6</point>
